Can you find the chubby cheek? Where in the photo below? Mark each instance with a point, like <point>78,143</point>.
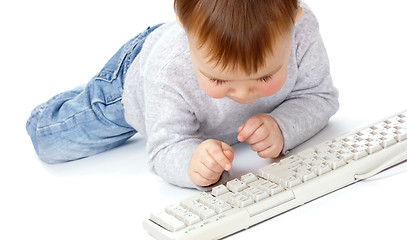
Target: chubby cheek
<point>270,88</point>
<point>211,89</point>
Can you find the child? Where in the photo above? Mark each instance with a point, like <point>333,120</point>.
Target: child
<point>225,72</point>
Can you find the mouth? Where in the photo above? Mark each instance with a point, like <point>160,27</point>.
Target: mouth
<point>244,101</point>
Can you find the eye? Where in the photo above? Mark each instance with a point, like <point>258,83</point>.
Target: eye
<point>265,79</point>
<point>217,81</point>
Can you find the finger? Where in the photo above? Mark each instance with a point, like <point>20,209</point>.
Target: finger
<point>260,135</point>
<point>260,146</point>
<point>240,128</point>
<point>228,151</point>
<point>228,154</point>
<point>249,128</point>
<point>207,172</point>
<point>270,152</point>
<point>219,156</point>
<point>200,180</point>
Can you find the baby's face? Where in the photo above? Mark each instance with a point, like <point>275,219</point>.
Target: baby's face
<point>237,85</point>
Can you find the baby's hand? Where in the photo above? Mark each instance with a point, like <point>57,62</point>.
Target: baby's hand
<point>263,134</point>
<point>209,161</point>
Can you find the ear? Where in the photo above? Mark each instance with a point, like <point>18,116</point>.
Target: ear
<point>178,21</point>
<point>298,15</point>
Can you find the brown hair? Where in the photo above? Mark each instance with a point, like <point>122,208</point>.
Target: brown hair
<point>237,33</point>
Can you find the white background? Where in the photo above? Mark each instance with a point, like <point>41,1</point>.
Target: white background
<point>47,47</point>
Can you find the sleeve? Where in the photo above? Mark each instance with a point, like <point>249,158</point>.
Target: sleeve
<point>313,100</point>
<point>172,133</point>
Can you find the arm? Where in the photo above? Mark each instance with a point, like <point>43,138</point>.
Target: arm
<point>313,100</point>
<point>178,152</point>
<point>306,110</point>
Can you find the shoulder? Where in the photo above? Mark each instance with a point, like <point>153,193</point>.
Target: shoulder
<point>164,44</point>
<point>307,25</point>
<point>164,66</point>
<point>165,54</point>
<point>308,17</point>
<point>306,33</point>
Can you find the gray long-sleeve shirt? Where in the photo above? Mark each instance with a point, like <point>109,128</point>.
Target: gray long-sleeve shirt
<point>163,101</point>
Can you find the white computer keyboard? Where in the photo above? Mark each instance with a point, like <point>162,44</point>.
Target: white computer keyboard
<point>286,184</point>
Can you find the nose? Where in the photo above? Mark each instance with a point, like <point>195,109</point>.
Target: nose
<point>241,92</point>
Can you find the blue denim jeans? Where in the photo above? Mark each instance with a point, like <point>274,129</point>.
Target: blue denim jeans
<point>89,119</point>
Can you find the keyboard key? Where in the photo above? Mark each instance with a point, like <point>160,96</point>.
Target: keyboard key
<point>167,221</point>
<point>267,186</point>
<point>346,155</point>
<point>281,175</point>
<point>214,203</point>
<point>307,153</point>
<point>239,200</point>
<point>205,212</point>
<point>388,140</point>
<point>317,161</point>
<point>248,178</point>
<point>323,147</point>
<point>290,161</point>
<point>321,169</point>
<point>183,215</point>
<point>219,190</point>
<point>335,163</point>
<point>236,185</point>
<point>373,146</point>
<point>199,209</point>
<point>303,167</point>
<point>255,193</point>
<point>291,181</point>
<point>401,135</point>
<point>306,175</point>
<point>359,152</point>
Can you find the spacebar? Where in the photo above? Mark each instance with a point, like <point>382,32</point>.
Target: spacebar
<point>270,202</point>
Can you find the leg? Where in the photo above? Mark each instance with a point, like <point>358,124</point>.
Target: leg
<point>87,120</point>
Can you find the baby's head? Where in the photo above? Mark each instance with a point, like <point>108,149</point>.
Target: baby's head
<point>239,48</point>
